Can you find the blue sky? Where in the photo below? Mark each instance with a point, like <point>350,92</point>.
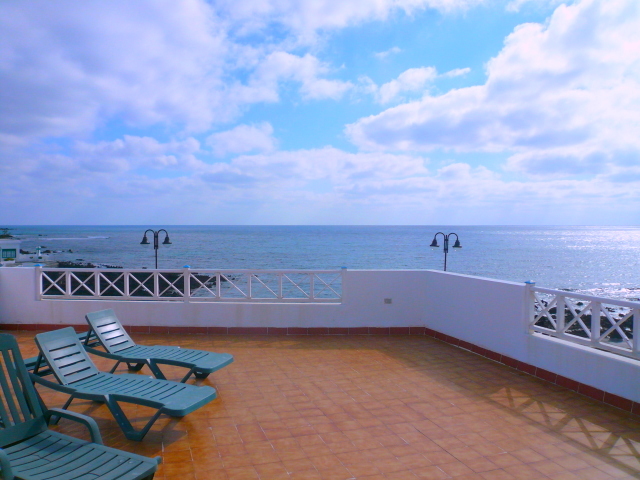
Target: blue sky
<point>320,112</point>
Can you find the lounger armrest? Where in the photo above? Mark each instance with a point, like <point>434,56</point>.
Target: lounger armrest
<point>88,422</point>
<point>7,471</point>
<point>102,353</point>
<point>136,401</point>
<point>52,385</point>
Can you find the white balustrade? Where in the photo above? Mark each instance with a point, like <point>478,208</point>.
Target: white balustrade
<point>598,322</point>
<point>292,286</point>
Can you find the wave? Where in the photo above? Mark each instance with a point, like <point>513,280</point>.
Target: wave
<point>66,238</point>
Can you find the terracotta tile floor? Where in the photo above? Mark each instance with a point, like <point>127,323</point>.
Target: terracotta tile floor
<point>371,407</point>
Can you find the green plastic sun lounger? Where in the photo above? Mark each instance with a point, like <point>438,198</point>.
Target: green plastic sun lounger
<point>79,377</point>
<point>30,451</point>
<point>118,345</point>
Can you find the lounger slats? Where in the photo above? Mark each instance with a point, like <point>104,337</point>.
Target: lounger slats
<point>51,455</point>
<point>116,341</point>
<point>33,452</point>
<point>83,380</point>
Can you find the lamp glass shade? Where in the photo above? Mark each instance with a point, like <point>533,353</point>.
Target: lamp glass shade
<point>434,243</point>
<point>166,241</point>
<point>145,240</point>
<point>457,244</point>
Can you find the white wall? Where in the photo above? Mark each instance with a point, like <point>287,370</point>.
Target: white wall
<point>363,305</point>
<point>494,314</point>
<point>488,313</point>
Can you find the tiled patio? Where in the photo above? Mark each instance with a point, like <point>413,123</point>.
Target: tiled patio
<point>373,407</point>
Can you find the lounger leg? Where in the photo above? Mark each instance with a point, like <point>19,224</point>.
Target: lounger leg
<point>201,375</point>
<point>115,366</point>
<point>54,418</point>
<point>186,377</point>
<point>153,366</point>
<point>125,424</point>
<point>134,367</point>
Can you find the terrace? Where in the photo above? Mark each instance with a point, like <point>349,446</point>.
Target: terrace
<point>406,374</point>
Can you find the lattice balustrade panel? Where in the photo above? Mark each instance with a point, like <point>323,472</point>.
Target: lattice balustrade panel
<point>577,318</point>
<point>112,284</point>
<point>327,285</point>
<point>296,285</point>
<point>265,286</point>
<point>83,284</point>
<point>234,285</point>
<point>203,285</point>
<point>545,311</point>
<point>53,283</point>
<point>141,284</point>
<point>616,327</point>
<point>170,285</point>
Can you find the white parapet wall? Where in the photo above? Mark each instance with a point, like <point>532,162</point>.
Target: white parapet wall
<point>495,315</point>
<point>363,305</point>
<point>487,313</point>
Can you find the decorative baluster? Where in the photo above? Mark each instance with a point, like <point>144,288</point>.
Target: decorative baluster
<point>635,325</point>
<point>312,293</point>
<point>127,290</point>
<point>560,316</point>
<point>596,310</point>
<point>186,275</point>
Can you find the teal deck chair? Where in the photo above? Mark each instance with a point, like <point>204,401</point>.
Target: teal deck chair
<point>120,347</point>
<point>30,451</point>
<point>79,377</point>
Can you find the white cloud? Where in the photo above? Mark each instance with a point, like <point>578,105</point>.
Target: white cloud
<point>566,89</point>
<point>411,80</point>
<point>386,53</point>
<point>66,66</point>
<point>307,17</point>
<point>132,152</point>
<point>243,139</point>
<point>306,70</point>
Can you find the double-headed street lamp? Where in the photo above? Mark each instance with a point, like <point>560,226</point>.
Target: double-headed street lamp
<point>434,244</point>
<point>145,240</point>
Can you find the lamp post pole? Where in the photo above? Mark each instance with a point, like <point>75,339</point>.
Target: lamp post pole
<point>145,240</point>
<point>445,245</point>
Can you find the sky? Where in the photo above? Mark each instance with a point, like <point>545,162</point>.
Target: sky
<point>343,112</point>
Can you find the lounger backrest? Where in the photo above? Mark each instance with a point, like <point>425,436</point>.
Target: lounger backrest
<point>65,355</point>
<point>109,330</point>
<point>21,415</point>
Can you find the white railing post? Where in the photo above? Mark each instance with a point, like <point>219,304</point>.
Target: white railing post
<point>280,275</point>
<point>39,281</point>
<point>218,285</point>
<point>249,285</point>
<point>96,285</point>
<point>560,315</point>
<point>312,292</point>
<point>343,275</point>
<point>127,286</point>
<point>156,284</point>
<point>596,308</point>
<point>67,285</point>
<point>530,305</point>
<point>186,276</point>
<point>635,325</point>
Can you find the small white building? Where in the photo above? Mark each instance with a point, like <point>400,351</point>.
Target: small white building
<point>10,253</point>
<point>9,250</point>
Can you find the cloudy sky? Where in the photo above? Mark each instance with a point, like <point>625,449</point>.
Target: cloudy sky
<point>320,112</point>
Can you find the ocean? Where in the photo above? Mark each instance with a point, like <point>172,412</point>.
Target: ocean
<point>602,261</point>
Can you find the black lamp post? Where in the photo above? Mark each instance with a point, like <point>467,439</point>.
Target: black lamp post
<point>145,240</point>
<point>434,244</point>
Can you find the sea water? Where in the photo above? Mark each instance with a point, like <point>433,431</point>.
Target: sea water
<point>602,261</point>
